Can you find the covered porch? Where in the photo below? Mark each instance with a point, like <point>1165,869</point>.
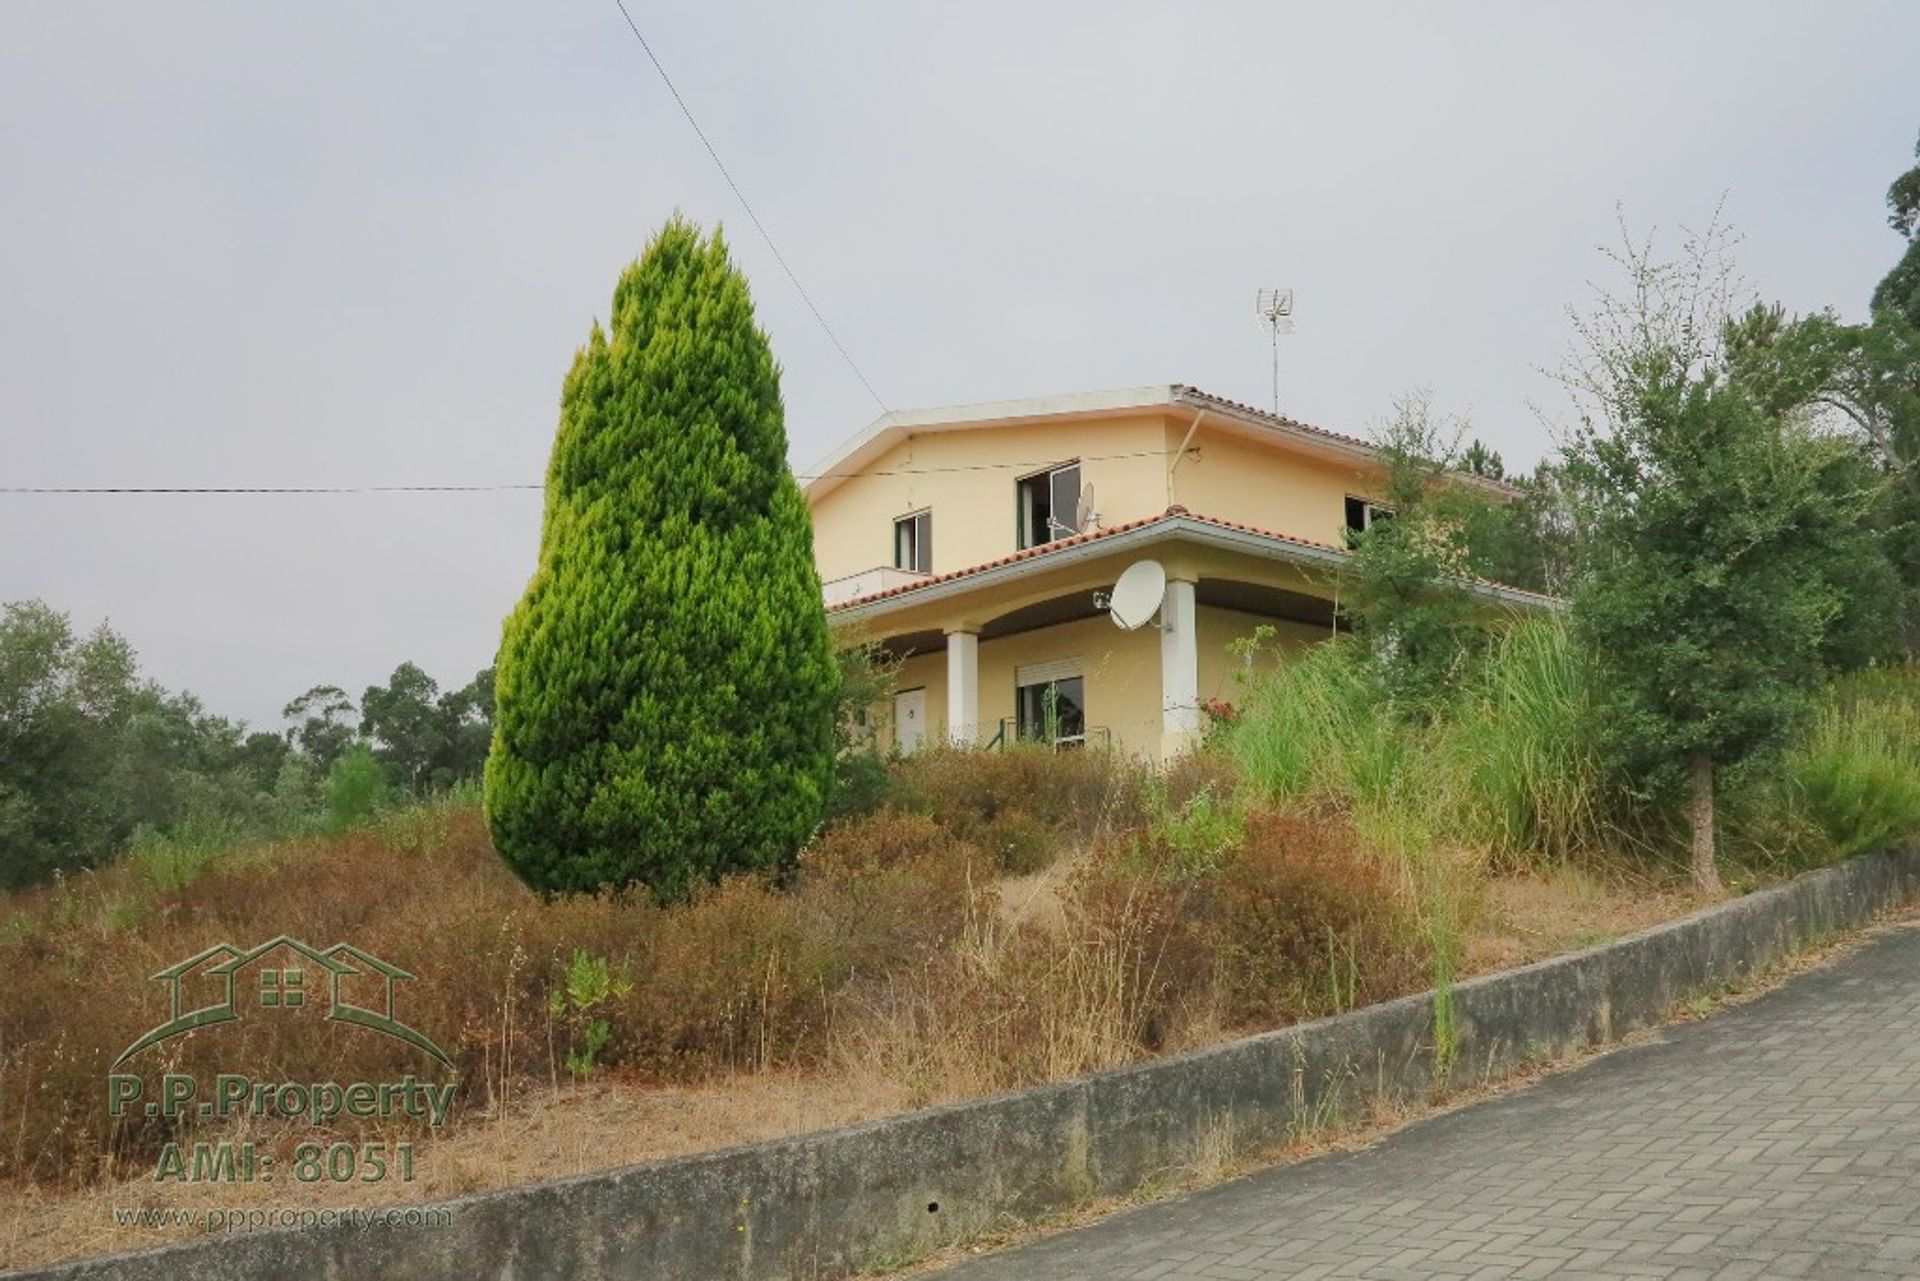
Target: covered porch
<point>1023,649</point>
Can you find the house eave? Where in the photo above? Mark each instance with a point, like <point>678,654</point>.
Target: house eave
<point>1174,527</point>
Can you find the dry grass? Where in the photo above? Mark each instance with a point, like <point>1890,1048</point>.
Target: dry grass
<point>555,1134</point>
<point>1527,916</point>
<point>1111,916</point>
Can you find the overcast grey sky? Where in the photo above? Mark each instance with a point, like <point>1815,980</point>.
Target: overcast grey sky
<point>357,243</point>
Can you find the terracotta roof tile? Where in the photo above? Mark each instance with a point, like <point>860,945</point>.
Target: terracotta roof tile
<point>1076,540</point>
<point>1241,407</point>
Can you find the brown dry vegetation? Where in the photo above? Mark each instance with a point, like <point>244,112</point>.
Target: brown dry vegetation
<point>1010,918</point>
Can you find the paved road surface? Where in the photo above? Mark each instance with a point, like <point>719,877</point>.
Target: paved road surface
<point>1780,1138</point>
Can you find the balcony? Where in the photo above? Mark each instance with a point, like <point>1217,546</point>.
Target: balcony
<point>868,581</point>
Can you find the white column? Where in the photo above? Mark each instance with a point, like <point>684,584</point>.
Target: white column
<point>963,688</point>
<point>1179,669</point>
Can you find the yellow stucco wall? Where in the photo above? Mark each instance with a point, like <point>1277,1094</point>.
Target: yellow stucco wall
<point>968,479</point>
<point>1121,671</point>
<point>1267,487</point>
<point>1218,629</point>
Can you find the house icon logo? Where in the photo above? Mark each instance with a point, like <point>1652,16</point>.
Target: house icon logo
<point>284,965</point>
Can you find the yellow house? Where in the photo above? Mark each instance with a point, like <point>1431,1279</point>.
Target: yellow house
<point>981,544</point>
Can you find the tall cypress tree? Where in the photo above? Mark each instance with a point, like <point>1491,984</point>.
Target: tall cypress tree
<point>665,688</point>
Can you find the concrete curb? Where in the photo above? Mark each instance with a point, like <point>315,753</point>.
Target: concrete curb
<point>823,1205</point>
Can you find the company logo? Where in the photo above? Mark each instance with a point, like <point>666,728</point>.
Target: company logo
<point>283,965</point>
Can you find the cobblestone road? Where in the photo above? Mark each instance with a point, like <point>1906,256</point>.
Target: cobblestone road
<point>1779,1138</point>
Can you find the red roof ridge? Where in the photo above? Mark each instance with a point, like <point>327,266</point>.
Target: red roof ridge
<point>1228,402</point>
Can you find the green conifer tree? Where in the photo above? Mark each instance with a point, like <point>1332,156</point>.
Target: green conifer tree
<point>665,687</point>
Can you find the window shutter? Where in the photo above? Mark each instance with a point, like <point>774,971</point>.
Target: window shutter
<point>1041,673</point>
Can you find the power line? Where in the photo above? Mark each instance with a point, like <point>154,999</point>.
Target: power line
<point>1028,465</point>
<point>759,226</point>
<point>498,488</point>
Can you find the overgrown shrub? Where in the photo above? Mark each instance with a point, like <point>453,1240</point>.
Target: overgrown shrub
<point>1308,926</point>
<point>1855,772</point>
<point>174,859</point>
<point>862,783</point>
<point>1534,785</point>
<point>1024,805</point>
<point>1506,762</point>
<point>356,787</point>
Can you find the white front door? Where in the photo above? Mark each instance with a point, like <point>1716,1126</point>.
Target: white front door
<point>909,719</point>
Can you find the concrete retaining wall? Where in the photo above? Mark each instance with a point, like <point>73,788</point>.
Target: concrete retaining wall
<point>822,1205</point>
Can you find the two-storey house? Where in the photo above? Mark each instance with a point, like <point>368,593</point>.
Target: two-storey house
<point>979,542</point>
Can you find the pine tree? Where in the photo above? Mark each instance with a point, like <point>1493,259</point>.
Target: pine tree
<point>665,687</point>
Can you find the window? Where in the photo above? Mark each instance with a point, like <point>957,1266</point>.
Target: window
<point>1049,505</point>
<point>1051,704</point>
<point>913,542</point>
<point>1361,514</point>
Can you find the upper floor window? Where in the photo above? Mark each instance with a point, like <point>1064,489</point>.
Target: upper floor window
<point>1361,514</point>
<point>913,542</point>
<point>1049,505</point>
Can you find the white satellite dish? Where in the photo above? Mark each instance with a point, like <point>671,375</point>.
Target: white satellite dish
<point>1137,595</point>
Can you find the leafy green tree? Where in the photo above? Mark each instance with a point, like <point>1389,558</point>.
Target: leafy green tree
<point>1402,590</point>
<point>1819,374</point>
<point>261,758</point>
<point>466,732</point>
<point>868,674</point>
<point>323,724</point>
<point>1477,459</point>
<point>64,700</point>
<point>1899,292</point>
<point>427,739</point>
<point>356,787</point>
<point>402,720</point>
<point>1703,612</point>
<point>1863,379</point>
<point>666,685</point>
<point>1527,539</point>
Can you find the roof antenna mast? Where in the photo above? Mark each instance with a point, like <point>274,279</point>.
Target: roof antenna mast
<point>1275,306</point>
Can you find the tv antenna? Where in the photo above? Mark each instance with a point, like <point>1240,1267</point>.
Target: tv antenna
<point>1082,518</point>
<point>1275,306</point>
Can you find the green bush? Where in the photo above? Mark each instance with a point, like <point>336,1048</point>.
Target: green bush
<point>862,784</point>
<point>174,859</point>
<point>356,788</point>
<point>665,689</point>
<point>1190,837</point>
<point>1856,771</point>
<point>1505,762</point>
<point>1534,784</point>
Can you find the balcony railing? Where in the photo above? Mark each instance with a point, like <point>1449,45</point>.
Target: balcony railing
<point>1098,737</point>
<point>868,581</point>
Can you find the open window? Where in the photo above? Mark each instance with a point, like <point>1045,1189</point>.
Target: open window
<point>1361,514</point>
<point>1050,704</point>
<point>1049,505</point>
<point>913,542</point>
